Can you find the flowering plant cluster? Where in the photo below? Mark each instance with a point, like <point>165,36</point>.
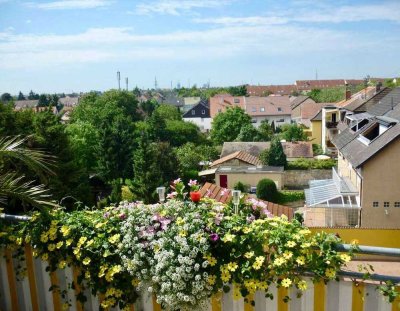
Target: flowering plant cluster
<point>181,251</point>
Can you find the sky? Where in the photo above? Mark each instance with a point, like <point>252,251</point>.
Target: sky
<point>78,46</point>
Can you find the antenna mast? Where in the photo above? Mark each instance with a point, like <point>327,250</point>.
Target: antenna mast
<point>126,82</point>
<point>119,80</point>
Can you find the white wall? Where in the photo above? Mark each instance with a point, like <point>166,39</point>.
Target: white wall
<point>287,120</point>
<point>203,123</point>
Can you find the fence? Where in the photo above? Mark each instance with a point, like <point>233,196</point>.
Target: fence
<point>32,292</point>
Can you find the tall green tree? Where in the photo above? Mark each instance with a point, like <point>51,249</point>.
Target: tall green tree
<point>265,131</point>
<point>227,125</point>
<point>248,133</point>
<point>20,96</point>
<point>6,97</point>
<point>274,156</point>
<point>293,132</point>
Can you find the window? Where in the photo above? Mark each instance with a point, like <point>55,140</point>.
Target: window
<point>262,109</point>
<point>193,112</point>
<point>279,109</point>
<point>236,100</point>
<point>280,120</point>
<point>396,204</point>
<point>203,112</point>
<point>375,204</point>
<point>254,121</point>
<point>253,109</point>
<point>386,204</point>
<point>219,110</point>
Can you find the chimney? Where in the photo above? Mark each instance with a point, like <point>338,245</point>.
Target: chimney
<point>348,92</point>
<point>378,87</point>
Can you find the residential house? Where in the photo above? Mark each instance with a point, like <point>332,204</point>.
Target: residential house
<point>199,115</point>
<point>272,108</point>
<point>304,108</point>
<point>293,150</point>
<point>363,190</point>
<point>26,104</point>
<point>265,90</point>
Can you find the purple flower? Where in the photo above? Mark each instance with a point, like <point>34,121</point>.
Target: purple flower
<point>172,195</point>
<point>266,212</point>
<point>122,216</point>
<point>192,183</point>
<point>164,223</point>
<point>214,237</point>
<point>208,193</point>
<point>106,215</point>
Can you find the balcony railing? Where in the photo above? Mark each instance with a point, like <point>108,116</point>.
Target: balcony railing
<point>32,292</point>
<point>331,125</point>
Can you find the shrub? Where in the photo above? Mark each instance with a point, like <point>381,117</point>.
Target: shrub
<point>290,196</point>
<point>241,186</point>
<point>305,164</point>
<point>266,190</point>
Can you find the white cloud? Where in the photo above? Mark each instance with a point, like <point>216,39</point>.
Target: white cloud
<point>99,45</point>
<point>69,4</point>
<point>176,7</point>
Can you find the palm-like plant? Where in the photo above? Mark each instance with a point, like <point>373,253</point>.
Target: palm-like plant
<point>13,184</point>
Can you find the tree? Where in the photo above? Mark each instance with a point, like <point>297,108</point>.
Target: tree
<point>227,125</point>
<point>168,112</point>
<point>180,132</point>
<point>20,96</point>
<point>265,131</point>
<point>13,184</point>
<point>248,133</point>
<point>6,97</point>
<point>266,190</point>
<point>43,100</point>
<point>293,132</point>
<point>149,106</point>
<point>274,156</point>
<point>32,95</point>
<point>238,90</point>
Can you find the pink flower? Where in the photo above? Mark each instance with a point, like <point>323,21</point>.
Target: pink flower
<point>172,195</point>
<point>192,183</point>
<point>224,191</point>
<point>208,193</point>
<point>177,181</point>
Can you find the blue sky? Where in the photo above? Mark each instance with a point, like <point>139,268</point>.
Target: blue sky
<point>69,45</point>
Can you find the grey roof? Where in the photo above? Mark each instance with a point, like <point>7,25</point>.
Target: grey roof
<point>386,104</point>
<point>365,106</point>
<point>343,138</point>
<point>298,100</point>
<point>254,148</point>
<point>250,169</point>
<point>395,113</point>
<point>317,117</point>
<point>357,153</point>
<point>19,104</point>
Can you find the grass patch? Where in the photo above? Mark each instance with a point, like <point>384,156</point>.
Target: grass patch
<point>286,196</point>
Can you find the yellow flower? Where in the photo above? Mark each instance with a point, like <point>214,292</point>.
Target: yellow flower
<point>135,282</point>
<point>286,283</point>
<point>302,285</point>
<point>345,257</point>
<point>54,223</point>
<point>287,255</point>
<point>18,241</point>
<point>228,237</point>
<point>180,221</point>
<point>248,255</point>
<point>246,230</point>
<point>236,292</point>
<point>68,242</point>
<point>51,247</point>
<point>87,275</point>
<point>27,239</point>
<point>44,238</point>
<point>102,271</point>
<point>279,261</point>
<point>232,266</point>
<point>99,225</point>
<point>90,242</point>
<point>301,260</point>
<point>77,253</point>
<point>65,230</point>
<point>251,286</point>
<point>330,273</point>
<point>225,276</point>
<point>53,236</point>
<point>59,244</point>
<point>304,232</point>
<point>86,261</point>
<point>262,285</point>
<point>114,239</point>
<point>82,240</point>
<point>182,233</point>
<point>52,231</point>
<point>212,261</point>
<point>211,279</point>
<point>65,306</point>
<point>45,256</point>
<point>354,242</point>
<point>62,264</point>
<point>305,245</point>
<point>291,244</point>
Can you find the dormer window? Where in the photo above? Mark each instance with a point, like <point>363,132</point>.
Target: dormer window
<point>193,112</point>
<point>203,112</point>
<point>279,109</point>
<point>236,100</point>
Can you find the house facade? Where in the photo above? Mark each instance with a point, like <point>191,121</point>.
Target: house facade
<point>365,183</point>
<point>199,115</point>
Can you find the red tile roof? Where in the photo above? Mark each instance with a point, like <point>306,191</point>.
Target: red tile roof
<point>262,90</point>
<point>240,155</point>
<point>214,192</point>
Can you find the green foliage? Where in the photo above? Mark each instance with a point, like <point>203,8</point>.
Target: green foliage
<point>227,125</point>
<point>149,106</point>
<point>241,186</point>
<point>180,132</point>
<point>266,190</point>
<point>265,131</point>
<point>317,149</point>
<point>305,164</point>
<point>392,82</point>
<point>32,95</point>
<point>275,155</point>
<point>334,94</point>
<point>248,133</point>
<point>6,97</point>
<point>168,112</point>
<point>206,93</point>
<point>286,196</point>
<point>238,90</point>
<point>190,155</point>
<point>293,132</point>
<point>20,96</point>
